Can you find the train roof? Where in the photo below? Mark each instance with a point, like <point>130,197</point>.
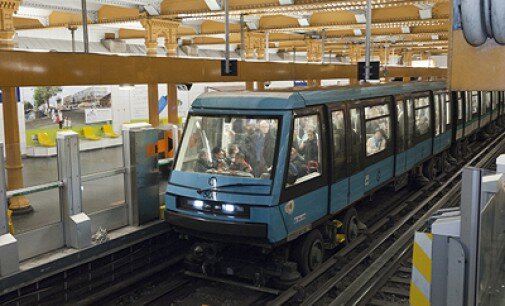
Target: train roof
<point>286,100</point>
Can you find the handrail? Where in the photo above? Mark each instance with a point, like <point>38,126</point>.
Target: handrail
<point>34,189</point>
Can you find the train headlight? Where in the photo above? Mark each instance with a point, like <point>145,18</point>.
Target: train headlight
<point>197,204</point>
<point>228,208</point>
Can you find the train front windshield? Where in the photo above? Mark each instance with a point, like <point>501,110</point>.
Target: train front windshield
<point>229,145</point>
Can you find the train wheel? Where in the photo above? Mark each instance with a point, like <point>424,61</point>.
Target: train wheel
<point>309,252</point>
<point>429,170</point>
<point>351,228</point>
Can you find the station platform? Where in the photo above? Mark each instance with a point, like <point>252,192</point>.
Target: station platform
<point>85,145</point>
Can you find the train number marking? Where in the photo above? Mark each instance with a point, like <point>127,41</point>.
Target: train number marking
<point>300,218</point>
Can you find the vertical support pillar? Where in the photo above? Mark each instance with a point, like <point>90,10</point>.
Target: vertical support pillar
<point>76,224</point>
<point>260,86</point>
<point>7,30</point>
<point>9,254</point>
<point>152,97</point>
<point>173,112</point>
<point>14,165</point>
<point>470,213</point>
<point>249,86</point>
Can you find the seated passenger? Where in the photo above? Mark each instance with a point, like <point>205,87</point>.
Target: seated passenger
<point>298,162</point>
<point>376,143</point>
<point>240,164</point>
<point>203,163</point>
<point>233,149</point>
<point>219,159</point>
<point>309,148</point>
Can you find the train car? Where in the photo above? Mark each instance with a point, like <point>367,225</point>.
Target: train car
<point>282,170</point>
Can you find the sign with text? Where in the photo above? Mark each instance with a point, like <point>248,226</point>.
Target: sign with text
<point>97,115</point>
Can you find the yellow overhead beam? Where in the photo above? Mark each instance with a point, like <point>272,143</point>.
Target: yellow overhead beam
<point>65,69</point>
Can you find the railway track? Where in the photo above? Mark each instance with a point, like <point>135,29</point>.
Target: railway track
<point>377,274</point>
<point>350,284</point>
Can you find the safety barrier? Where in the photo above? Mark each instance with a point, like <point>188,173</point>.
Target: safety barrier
<point>141,205</point>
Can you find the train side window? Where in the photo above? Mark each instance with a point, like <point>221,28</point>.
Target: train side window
<point>378,131</point>
<point>305,161</point>
<point>437,115</point>
<point>460,107</point>
<point>448,117</point>
<point>339,149</point>
<point>410,125</point>
<point>400,132</point>
<point>475,103</point>
<point>422,116</point>
<point>356,138</point>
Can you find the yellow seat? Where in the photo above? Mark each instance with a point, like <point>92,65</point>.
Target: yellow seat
<point>107,131</point>
<point>89,134</point>
<point>45,141</point>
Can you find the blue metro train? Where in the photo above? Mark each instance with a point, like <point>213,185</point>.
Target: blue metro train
<point>282,170</point>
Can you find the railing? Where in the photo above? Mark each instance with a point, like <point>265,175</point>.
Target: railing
<point>75,228</point>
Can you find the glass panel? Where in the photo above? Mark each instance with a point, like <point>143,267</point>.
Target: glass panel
<point>356,140</point>
<point>421,102</point>
<point>422,121</point>
<point>378,135</point>
<point>46,211</point>
<point>376,111</point>
<point>46,208</point>
<point>448,112</point>
<point>475,102</point>
<point>103,193</point>
<point>305,163</point>
<point>400,126</point>
<point>490,273</point>
<point>460,109</point>
<point>101,160</point>
<point>410,126</point>
<point>39,170</point>
<point>337,119</point>
<point>208,139</point>
<point>437,115</point>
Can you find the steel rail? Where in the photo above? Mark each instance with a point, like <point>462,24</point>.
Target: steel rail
<point>350,292</point>
<point>372,287</point>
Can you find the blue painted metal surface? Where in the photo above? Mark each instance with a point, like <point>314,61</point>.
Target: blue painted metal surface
<point>308,208</point>
<point>339,196</point>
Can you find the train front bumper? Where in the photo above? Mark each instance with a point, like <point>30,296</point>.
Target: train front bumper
<point>218,230</point>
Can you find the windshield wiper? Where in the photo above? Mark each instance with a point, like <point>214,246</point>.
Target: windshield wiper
<point>203,190</point>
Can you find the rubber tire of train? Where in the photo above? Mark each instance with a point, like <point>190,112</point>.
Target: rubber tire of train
<point>304,250</point>
<point>498,20</point>
<point>472,22</point>
<point>351,224</point>
<point>429,170</point>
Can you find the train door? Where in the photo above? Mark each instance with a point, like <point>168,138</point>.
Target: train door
<point>379,160</point>
<point>401,136</point>
<point>438,128</point>
<point>447,119</point>
<point>472,112</point>
<point>306,183</point>
<point>420,129</point>
<point>340,177</point>
<point>355,151</point>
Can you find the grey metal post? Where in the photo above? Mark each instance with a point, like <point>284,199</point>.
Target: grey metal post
<point>9,253</point>
<point>85,26</point>
<point>368,44</point>
<point>323,45</point>
<point>72,31</point>
<point>470,213</point>
<point>76,224</point>
<point>141,175</point>
<point>227,36</point>
<point>242,37</point>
